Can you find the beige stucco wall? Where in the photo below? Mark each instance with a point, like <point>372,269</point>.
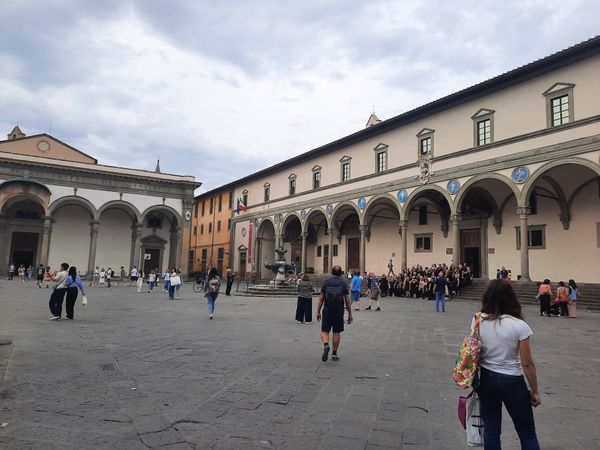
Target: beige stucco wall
<point>70,240</point>
<point>56,150</point>
<point>114,240</point>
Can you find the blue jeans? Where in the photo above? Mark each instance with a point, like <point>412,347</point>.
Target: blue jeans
<point>440,297</point>
<point>171,292</point>
<point>496,388</point>
<point>212,298</point>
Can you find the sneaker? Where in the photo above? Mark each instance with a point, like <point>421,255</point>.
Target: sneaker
<point>299,322</point>
<point>325,354</point>
<point>55,318</point>
<point>356,309</point>
<point>210,317</point>
<point>69,318</point>
<point>368,308</point>
<point>335,357</point>
<point>308,323</point>
<point>378,309</point>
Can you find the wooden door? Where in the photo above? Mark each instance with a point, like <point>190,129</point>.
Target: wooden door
<point>242,273</point>
<point>470,243</point>
<point>353,255</point>
<point>154,262</point>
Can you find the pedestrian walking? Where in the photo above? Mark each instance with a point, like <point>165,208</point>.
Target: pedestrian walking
<point>333,298</point>
<point>73,285</point>
<point>140,281</point>
<point>166,281</point>
<point>172,283</point>
<point>96,278</point>
<point>122,276</point>
<point>151,280</point>
<point>58,293</point>
<point>21,272</point>
<point>355,287</point>
<point>133,276</point>
<point>109,275</point>
<point>48,274</point>
<point>29,272</point>
<point>212,285</point>
<point>374,296</point>
<point>505,357</point>
<point>391,269</point>
<point>11,271</point>
<point>304,303</point>
<point>573,293</point>
<point>39,275</point>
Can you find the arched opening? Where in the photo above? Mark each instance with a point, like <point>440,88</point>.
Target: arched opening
<point>21,228</point>
<point>564,221</point>
<point>292,240</point>
<point>346,238</point>
<point>71,236</point>
<point>160,236</point>
<point>117,235</point>
<point>265,247</point>
<point>315,227</point>
<point>427,213</point>
<point>384,241</point>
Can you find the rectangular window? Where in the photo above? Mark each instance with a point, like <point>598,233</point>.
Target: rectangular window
<point>202,229</point>
<point>293,186</point>
<point>228,224</point>
<point>212,204</point>
<point>316,180</point>
<point>203,260</point>
<point>267,193</point>
<point>195,230</point>
<point>191,257</point>
<point>560,110</point>
<point>345,171</point>
<point>231,200</point>
<point>381,161</point>
<point>484,132</point>
<point>335,250</point>
<point>423,243</point>
<point>196,211</point>
<point>245,199</point>
<point>425,146</point>
<point>319,250</point>
<point>422,214</point>
<point>536,237</point>
<point>220,253</point>
<point>219,225</point>
<point>203,205</point>
<point>210,227</point>
<point>220,202</point>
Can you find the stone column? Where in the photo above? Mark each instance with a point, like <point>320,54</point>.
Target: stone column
<point>331,231</point>
<point>303,260</point>
<point>173,246</point>
<point>364,229</point>
<point>256,267</point>
<point>46,234</point>
<point>94,228</point>
<point>403,256</point>
<point>455,219</point>
<point>136,241</point>
<point>523,212</point>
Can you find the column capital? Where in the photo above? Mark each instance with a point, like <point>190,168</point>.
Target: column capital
<point>455,218</point>
<point>403,224</point>
<point>304,235</point>
<point>331,231</point>
<point>523,211</point>
<point>364,228</point>
<point>94,226</point>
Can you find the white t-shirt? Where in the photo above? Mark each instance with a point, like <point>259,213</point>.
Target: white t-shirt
<point>500,344</point>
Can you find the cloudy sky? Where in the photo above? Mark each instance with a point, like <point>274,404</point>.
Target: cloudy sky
<point>221,89</point>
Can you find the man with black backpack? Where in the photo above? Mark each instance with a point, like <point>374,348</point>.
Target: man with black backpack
<point>39,275</point>
<point>333,299</point>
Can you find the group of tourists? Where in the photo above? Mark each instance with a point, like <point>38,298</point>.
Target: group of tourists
<point>563,304</point>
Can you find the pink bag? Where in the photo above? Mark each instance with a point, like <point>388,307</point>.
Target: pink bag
<point>462,409</point>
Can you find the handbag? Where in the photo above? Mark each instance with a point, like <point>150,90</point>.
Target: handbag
<point>84,300</point>
<point>175,280</point>
<point>474,422</point>
<point>467,360</point>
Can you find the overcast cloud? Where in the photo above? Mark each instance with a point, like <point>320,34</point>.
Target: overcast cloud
<point>221,89</point>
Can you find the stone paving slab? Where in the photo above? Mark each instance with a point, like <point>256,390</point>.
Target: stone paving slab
<point>136,371</point>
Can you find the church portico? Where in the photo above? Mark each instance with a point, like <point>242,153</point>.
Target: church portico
<point>87,214</point>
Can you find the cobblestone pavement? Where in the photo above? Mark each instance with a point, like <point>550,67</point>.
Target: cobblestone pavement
<point>136,371</point>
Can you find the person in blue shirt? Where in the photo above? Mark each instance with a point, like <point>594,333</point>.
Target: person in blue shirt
<point>73,284</point>
<point>355,286</point>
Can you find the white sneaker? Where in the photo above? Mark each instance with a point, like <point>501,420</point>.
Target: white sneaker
<point>210,317</point>
<point>55,318</point>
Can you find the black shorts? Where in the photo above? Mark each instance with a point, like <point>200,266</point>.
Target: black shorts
<point>40,277</point>
<point>332,321</point>
<point>134,278</point>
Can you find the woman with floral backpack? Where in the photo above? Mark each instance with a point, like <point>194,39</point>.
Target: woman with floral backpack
<point>505,357</point>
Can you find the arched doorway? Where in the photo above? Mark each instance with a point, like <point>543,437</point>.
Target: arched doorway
<point>160,241</point>
<point>292,240</point>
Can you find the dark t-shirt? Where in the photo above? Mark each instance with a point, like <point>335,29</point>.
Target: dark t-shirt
<point>440,284</point>
<point>334,289</point>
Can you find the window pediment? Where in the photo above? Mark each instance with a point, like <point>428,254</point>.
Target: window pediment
<point>267,185</point>
<point>482,113</point>
<point>380,147</point>
<point>292,176</point>
<point>316,168</point>
<point>557,87</point>
<point>345,159</point>
<point>425,132</point>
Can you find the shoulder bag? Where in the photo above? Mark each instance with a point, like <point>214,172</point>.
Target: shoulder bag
<point>467,360</point>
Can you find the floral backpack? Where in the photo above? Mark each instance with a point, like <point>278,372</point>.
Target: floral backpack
<point>467,360</point>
